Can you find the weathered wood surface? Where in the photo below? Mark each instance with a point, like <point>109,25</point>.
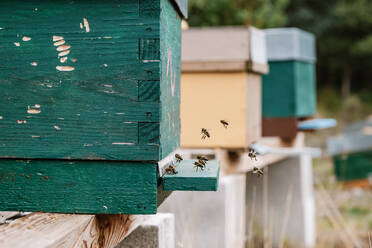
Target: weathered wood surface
<point>62,230</point>
<point>190,179</point>
<point>78,186</point>
<point>85,80</point>
<point>9,216</point>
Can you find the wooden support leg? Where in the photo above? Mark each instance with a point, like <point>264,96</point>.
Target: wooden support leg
<point>156,232</point>
<point>280,205</point>
<point>210,219</point>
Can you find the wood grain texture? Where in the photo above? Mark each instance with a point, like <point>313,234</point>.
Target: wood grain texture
<point>170,52</point>
<point>289,89</point>
<point>78,78</point>
<point>188,179</point>
<point>69,231</point>
<point>78,186</point>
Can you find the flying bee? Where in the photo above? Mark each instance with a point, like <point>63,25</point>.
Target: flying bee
<point>258,171</point>
<point>178,158</point>
<point>252,154</point>
<point>198,165</point>
<point>171,170</point>
<point>201,157</point>
<point>224,123</point>
<point>205,133</point>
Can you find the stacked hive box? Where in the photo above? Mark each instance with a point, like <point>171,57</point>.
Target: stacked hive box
<point>221,80</point>
<point>89,103</point>
<point>289,90</point>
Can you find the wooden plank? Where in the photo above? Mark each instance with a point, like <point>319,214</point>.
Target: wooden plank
<point>78,186</point>
<point>63,230</point>
<point>170,54</point>
<point>70,79</point>
<point>189,179</point>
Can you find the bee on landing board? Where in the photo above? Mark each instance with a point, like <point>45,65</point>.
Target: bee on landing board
<point>258,171</point>
<point>201,157</point>
<point>198,165</point>
<point>178,158</point>
<point>252,154</point>
<point>224,123</point>
<point>171,170</point>
<point>205,133</point>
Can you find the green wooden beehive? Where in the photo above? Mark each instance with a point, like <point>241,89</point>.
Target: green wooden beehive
<point>89,103</point>
<point>289,90</point>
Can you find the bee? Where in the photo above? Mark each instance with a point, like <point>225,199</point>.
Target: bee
<point>224,123</point>
<point>203,162</point>
<point>258,171</point>
<point>178,158</point>
<point>201,157</point>
<point>205,133</point>
<point>252,154</point>
<point>171,170</point>
<point>198,165</point>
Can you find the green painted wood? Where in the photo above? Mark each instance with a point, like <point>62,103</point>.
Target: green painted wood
<point>121,79</point>
<point>170,52</point>
<point>353,166</point>
<point>289,89</point>
<point>188,179</point>
<point>78,186</point>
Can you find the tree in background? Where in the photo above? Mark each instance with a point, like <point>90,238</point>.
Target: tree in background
<point>343,29</point>
<point>259,13</point>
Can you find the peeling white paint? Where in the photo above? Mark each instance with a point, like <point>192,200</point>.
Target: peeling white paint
<point>17,44</point>
<point>33,111</point>
<point>107,37</point>
<point>60,118</point>
<point>65,68</point>
<point>122,143</point>
<point>63,59</point>
<point>120,113</point>
<point>57,127</point>
<point>59,43</point>
<point>19,121</point>
<point>24,122</point>
<point>1,117</point>
<point>37,105</point>
<point>25,38</point>
<point>88,144</point>
<point>108,85</point>
<point>33,63</point>
<point>1,28</point>
<point>105,65</point>
<point>74,60</point>
<point>35,136</point>
<point>64,53</point>
<point>36,9</point>
<point>57,38</point>
<point>86,25</point>
<point>109,91</point>
<point>63,48</point>
<point>81,26</point>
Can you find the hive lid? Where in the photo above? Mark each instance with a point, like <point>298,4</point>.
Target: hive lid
<point>224,49</point>
<point>357,137</point>
<point>182,7</point>
<point>290,44</point>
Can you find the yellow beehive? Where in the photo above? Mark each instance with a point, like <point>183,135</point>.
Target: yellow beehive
<point>221,80</point>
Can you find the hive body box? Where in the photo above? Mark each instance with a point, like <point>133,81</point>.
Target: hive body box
<point>89,103</point>
<point>289,90</point>
<point>221,80</point>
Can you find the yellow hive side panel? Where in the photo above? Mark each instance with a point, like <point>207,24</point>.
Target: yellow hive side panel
<point>254,107</point>
<point>207,98</point>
